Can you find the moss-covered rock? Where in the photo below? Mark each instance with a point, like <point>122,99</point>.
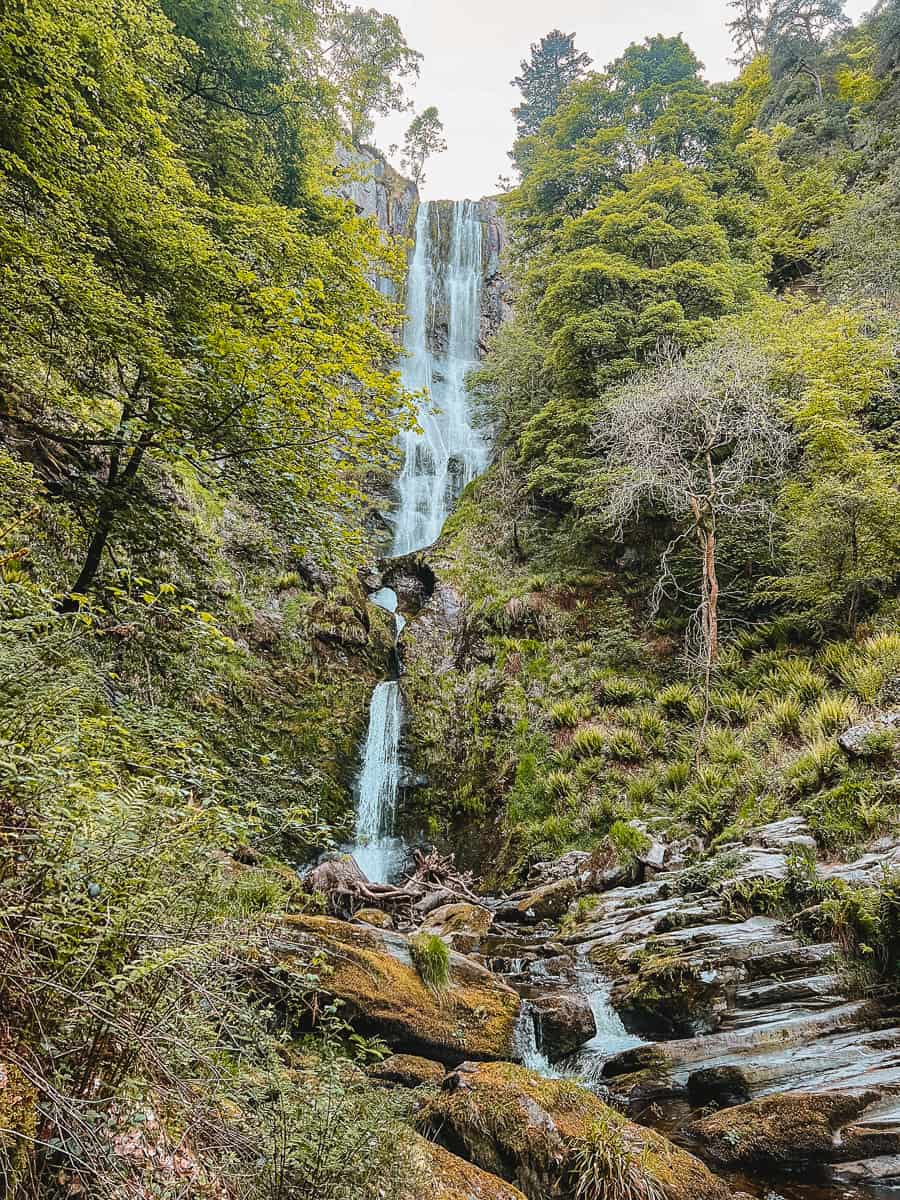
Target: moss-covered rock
<point>542,1133</point>
<point>18,1126</point>
<point>409,1070</point>
<point>371,972</point>
<point>787,1129</point>
<point>443,1176</point>
<point>548,902</point>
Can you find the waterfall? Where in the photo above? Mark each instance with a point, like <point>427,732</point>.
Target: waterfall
<point>438,462</point>
<point>376,851</point>
<point>448,453</point>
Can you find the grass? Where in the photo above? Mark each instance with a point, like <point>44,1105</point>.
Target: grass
<point>609,1163</point>
<point>431,958</point>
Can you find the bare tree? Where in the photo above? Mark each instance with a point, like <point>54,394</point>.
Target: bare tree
<point>700,437</point>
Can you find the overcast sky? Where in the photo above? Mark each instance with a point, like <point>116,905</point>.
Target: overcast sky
<point>472,49</point>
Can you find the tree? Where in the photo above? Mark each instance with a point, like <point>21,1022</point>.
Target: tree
<point>554,64</point>
<point>797,33</point>
<point>698,437</point>
<point>748,30</point>
<point>151,324</point>
<point>368,62</point>
<point>424,138</point>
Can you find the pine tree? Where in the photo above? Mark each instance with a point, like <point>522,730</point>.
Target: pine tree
<point>797,34</point>
<point>554,64</point>
<point>748,30</point>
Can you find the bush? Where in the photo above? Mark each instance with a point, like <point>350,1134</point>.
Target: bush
<point>626,746</point>
<point>815,766</point>
<point>607,1163</point>
<point>795,679</point>
<point>566,714</point>
<point>617,690</point>
<point>431,959</point>
<point>831,715</point>
<point>733,706</point>
<point>588,742</point>
<point>675,700</point>
<point>628,841</point>
<point>785,717</point>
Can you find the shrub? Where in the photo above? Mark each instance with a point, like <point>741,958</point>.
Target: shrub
<point>831,715</point>
<point>617,690</point>
<point>651,726</point>
<point>734,706</point>
<point>431,958</point>
<point>815,766</point>
<point>676,775</point>
<point>675,699</point>
<point>628,841</point>
<point>626,746</point>
<point>796,679</point>
<point>557,784</point>
<point>880,745</point>
<point>785,716</point>
<point>721,746</point>
<point>588,742</point>
<point>566,714</point>
<point>642,791</point>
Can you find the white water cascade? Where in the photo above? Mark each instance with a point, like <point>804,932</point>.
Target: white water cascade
<point>438,462</point>
<point>448,453</point>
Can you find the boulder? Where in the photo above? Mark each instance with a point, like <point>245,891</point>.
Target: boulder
<point>791,833</point>
<point>462,925</point>
<point>577,864</point>
<point>565,1020</point>
<point>374,916</point>
<point>722,1087</point>
<point>443,1176</point>
<point>790,1128</point>
<point>371,973</point>
<point>853,741</point>
<point>409,1070</point>
<point>537,1133</point>
<point>544,903</point>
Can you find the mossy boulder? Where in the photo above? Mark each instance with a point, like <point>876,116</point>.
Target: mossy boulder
<point>458,918</point>
<point>535,1132</point>
<point>443,1176</point>
<point>545,903</point>
<point>18,1126</point>
<point>374,916</point>
<point>791,1128</point>
<point>371,972</point>
<point>409,1070</point>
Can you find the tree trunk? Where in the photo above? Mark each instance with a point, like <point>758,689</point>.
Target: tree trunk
<point>711,594</point>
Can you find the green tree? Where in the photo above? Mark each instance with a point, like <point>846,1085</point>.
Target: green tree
<point>553,65</point>
<point>747,28</point>
<point>424,138</point>
<point>368,63</point>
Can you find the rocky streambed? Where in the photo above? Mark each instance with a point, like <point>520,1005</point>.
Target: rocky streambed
<point>638,1008</point>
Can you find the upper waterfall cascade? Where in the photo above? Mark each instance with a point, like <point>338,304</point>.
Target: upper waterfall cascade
<point>439,459</point>
<point>448,453</point>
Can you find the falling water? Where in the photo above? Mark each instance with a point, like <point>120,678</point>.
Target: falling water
<point>448,453</point>
<point>376,851</point>
<point>438,462</point>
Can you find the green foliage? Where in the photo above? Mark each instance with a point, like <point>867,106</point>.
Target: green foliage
<point>423,138</point>
<point>553,65</point>
<point>607,1164</point>
<point>431,959</point>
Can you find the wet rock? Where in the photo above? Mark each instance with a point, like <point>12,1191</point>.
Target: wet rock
<point>528,1129</point>
<point>371,972</point>
<point>884,855</point>
<point>853,741</point>
<point>574,865</point>
<point>723,1087</point>
<point>459,918</point>
<point>374,916</point>
<point>444,1176</point>
<point>544,903</point>
<point>409,1070</point>
<point>884,1170</point>
<point>565,1020</point>
<point>791,833</point>
<point>791,1128</point>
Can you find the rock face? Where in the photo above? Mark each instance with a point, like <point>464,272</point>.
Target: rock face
<point>538,1133</point>
<point>371,973</point>
<point>376,190</point>
<point>495,299</point>
<point>443,1176</point>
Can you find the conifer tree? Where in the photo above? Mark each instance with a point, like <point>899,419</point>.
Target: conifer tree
<point>554,64</point>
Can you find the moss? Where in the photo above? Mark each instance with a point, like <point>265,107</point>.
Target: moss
<point>18,1126</point>
<point>371,973</point>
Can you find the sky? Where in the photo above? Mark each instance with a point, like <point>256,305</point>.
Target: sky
<point>472,48</point>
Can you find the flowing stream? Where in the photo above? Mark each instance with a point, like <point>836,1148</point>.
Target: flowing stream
<point>444,290</point>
